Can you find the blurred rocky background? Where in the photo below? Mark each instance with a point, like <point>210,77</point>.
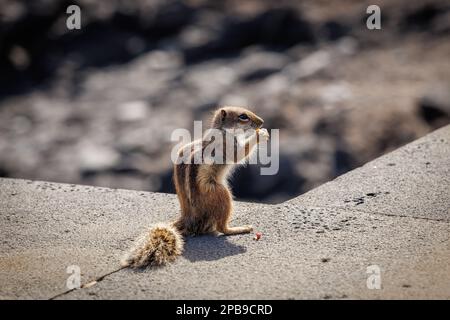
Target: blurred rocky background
<point>97,105</point>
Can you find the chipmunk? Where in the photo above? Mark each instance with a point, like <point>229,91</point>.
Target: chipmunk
<point>205,199</point>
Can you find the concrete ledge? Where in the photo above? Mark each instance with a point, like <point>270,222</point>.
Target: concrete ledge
<point>392,212</point>
<point>411,181</point>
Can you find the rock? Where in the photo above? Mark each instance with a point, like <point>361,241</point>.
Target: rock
<point>259,64</point>
<point>333,30</point>
<point>434,107</point>
<point>132,111</point>
<point>160,60</point>
<point>442,23</point>
<point>19,57</point>
<point>209,80</point>
<point>96,157</point>
<point>347,45</point>
<point>421,17</point>
<point>250,184</point>
<point>273,28</point>
<point>336,92</point>
<point>311,64</point>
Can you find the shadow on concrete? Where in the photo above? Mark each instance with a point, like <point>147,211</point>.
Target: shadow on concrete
<point>209,248</point>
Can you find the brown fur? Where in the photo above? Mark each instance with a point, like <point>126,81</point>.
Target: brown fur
<point>206,205</point>
<point>205,199</point>
<point>159,245</point>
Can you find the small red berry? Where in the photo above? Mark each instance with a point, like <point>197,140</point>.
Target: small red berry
<point>257,236</point>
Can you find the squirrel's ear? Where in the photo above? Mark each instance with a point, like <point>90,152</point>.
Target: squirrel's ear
<point>223,113</point>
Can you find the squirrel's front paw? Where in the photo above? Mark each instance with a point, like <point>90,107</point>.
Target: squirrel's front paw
<point>263,134</point>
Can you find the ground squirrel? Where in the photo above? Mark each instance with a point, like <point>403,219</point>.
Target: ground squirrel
<point>205,198</point>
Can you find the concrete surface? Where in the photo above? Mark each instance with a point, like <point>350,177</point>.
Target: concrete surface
<point>411,181</point>
<point>392,212</point>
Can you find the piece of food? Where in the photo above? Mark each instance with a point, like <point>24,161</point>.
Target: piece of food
<point>257,236</point>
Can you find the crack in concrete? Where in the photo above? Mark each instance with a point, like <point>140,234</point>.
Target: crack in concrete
<point>87,284</point>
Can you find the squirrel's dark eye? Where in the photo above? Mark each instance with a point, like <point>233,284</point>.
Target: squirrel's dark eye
<point>243,117</point>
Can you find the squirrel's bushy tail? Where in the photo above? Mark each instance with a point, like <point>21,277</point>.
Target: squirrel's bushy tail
<point>160,244</point>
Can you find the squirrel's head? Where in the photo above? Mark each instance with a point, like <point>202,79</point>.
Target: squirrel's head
<point>236,118</point>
